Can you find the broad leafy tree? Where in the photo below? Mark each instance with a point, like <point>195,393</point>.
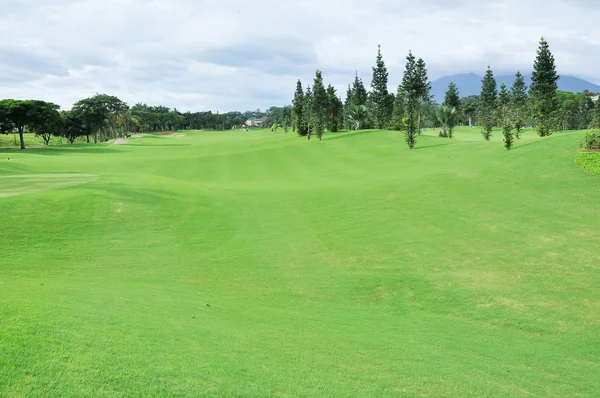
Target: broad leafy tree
<point>45,120</point>
<point>543,90</point>
<point>487,104</point>
<point>518,104</point>
<point>18,115</point>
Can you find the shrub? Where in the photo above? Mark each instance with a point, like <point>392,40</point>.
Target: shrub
<point>590,161</point>
<point>591,141</point>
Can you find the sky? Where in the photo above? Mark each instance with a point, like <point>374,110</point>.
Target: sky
<point>227,55</point>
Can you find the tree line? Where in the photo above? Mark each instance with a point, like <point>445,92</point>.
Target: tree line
<point>412,107</point>
<point>103,117</point>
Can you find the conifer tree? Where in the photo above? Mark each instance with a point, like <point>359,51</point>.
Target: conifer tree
<point>423,89</point>
<point>411,89</point>
<point>380,98</point>
<point>320,105</point>
<point>504,115</point>
<point>518,104</point>
<point>359,92</point>
<point>596,115</point>
<point>452,101</point>
<point>308,111</point>
<point>543,90</point>
<point>398,113</point>
<point>298,109</point>
<point>334,115</point>
<point>487,104</point>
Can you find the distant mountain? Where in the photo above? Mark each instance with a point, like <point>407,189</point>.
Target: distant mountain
<point>470,84</point>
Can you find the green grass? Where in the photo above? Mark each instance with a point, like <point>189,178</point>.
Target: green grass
<point>261,264</point>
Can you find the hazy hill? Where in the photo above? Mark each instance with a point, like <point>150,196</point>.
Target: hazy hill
<point>470,84</point>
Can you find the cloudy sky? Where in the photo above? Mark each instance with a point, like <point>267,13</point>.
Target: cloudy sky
<point>241,55</point>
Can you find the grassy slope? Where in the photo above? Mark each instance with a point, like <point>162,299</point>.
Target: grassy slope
<point>344,267</point>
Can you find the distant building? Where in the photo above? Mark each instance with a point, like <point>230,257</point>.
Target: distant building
<point>256,122</point>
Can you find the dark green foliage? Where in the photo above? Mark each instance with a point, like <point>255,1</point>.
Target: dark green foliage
<point>73,126</point>
<point>543,90</point>
<point>45,120</point>
<point>596,115</point>
<point>452,101</point>
<point>412,90</point>
<point>591,141</point>
<point>469,106</point>
<point>487,104</point>
<point>423,89</point>
<point>96,112</point>
<point>398,113</point>
<point>39,116</point>
<point>518,104</point>
<point>504,115</point>
<point>380,98</point>
<point>320,105</point>
<point>359,94</point>
<point>300,124</point>
<point>308,111</point>
<point>335,110</point>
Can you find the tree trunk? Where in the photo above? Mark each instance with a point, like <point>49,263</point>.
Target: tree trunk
<point>21,138</point>
<point>88,139</point>
<point>96,137</point>
<point>419,124</point>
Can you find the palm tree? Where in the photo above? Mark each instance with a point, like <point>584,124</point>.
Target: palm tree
<point>357,115</point>
<point>446,117</point>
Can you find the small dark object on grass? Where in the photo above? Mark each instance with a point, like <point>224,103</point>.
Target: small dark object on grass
<point>208,305</point>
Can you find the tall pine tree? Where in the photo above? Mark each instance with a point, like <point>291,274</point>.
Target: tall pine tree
<point>518,104</point>
<point>380,98</point>
<point>334,116</point>
<point>320,105</point>
<point>543,90</point>
<point>452,101</point>
<point>504,115</point>
<point>359,92</point>
<point>298,116</point>
<point>308,111</point>
<point>411,89</point>
<point>487,104</point>
<point>424,87</point>
<point>398,113</point>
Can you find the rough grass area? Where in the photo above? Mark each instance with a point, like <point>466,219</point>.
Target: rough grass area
<point>590,161</point>
<point>262,264</point>
<point>12,141</point>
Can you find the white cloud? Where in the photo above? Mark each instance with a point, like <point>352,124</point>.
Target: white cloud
<point>237,55</point>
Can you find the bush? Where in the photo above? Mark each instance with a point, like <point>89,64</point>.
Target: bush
<point>591,141</point>
<point>590,161</point>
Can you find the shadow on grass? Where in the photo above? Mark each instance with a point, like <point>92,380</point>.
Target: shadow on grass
<point>430,146</point>
<point>57,151</point>
<point>514,148</point>
<point>128,193</point>
<point>158,145</point>
<point>349,134</point>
